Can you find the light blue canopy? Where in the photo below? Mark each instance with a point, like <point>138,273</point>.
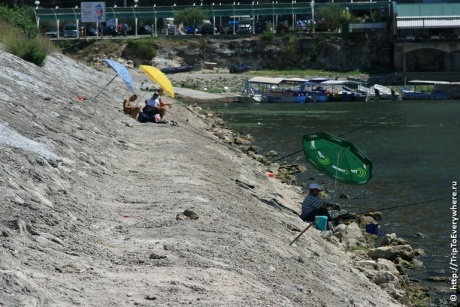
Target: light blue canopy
<point>122,72</point>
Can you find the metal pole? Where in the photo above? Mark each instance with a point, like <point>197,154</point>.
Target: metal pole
<point>213,21</point>
<point>105,87</point>
<point>313,16</point>
<point>300,234</point>
<point>233,18</point>
<point>155,16</point>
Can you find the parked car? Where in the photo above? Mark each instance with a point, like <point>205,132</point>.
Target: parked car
<point>70,30</point>
<point>109,30</point>
<point>260,27</point>
<point>244,28</point>
<point>91,31</point>
<point>51,32</point>
<point>145,29</point>
<point>192,30</point>
<point>208,28</point>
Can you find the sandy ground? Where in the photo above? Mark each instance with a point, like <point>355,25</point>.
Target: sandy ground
<point>90,200</point>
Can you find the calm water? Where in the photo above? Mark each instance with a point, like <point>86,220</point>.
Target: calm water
<point>414,148</point>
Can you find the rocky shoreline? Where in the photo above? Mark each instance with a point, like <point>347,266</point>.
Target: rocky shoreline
<point>100,210</point>
<point>384,260</point>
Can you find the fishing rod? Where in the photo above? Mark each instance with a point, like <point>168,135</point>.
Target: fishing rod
<point>353,130</point>
<point>374,123</point>
<point>405,205</point>
<point>147,90</point>
<point>198,131</point>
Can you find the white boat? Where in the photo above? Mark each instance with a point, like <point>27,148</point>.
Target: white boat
<point>267,89</point>
<point>368,92</point>
<point>315,90</point>
<point>385,92</point>
<point>253,88</point>
<point>286,90</point>
<point>339,90</point>
<point>248,96</point>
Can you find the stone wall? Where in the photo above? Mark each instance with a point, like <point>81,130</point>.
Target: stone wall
<point>366,52</point>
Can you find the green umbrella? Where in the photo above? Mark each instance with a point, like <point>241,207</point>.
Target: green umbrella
<point>338,158</point>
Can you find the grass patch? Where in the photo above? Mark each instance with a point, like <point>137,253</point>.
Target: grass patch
<point>140,50</point>
<point>34,50</point>
<point>18,33</point>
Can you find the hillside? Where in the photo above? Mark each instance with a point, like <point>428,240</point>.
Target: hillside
<point>370,54</point>
<point>99,210</point>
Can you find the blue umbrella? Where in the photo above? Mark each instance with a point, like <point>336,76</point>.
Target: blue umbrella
<point>122,72</point>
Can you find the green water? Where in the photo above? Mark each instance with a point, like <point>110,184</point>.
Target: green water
<point>414,147</point>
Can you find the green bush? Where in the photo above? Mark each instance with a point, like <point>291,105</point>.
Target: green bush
<point>18,33</point>
<point>16,42</point>
<point>267,36</point>
<point>142,49</point>
<point>34,53</point>
<point>29,50</point>
<point>20,18</point>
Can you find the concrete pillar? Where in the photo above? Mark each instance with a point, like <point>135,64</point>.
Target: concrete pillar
<point>447,61</point>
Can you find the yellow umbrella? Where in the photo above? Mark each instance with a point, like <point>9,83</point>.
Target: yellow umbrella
<point>160,78</point>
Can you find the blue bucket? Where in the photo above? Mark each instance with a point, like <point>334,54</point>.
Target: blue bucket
<point>321,222</point>
<point>373,229</point>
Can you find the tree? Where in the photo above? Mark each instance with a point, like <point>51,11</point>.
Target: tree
<point>193,16</point>
<point>334,14</point>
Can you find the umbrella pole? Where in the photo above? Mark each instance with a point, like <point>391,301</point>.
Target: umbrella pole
<point>105,87</point>
<point>140,100</point>
<point>335,182</point>
<point>300,234</point>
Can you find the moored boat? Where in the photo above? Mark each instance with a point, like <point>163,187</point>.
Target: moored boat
<point>413,94</point>
<point>339,90</point>
<point>385,92</point>
<point>369,92</point>
<point>173,70</point>
<point>314,90</point>
<point>287,90</point>
<point>253,88</point>
<point>239,69</point>
<point>267,89</point>
<point>285,96</point>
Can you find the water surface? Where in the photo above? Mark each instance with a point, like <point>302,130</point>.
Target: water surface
<point>414,148</point>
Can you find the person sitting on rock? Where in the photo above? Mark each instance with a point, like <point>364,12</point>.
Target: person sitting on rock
<point>313,206</point>
<point>130,109</point>
<point>150,112</point>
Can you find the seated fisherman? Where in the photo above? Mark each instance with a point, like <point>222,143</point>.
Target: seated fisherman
<point>313,206</point>
<point>163,104</point>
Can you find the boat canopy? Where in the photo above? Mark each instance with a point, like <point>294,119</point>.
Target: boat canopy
<point>265,80</point>
<point>276,81</point>
<point>340,82</point>
<point>318,80</point>
<point>427,82</point>
<point>293,80</point>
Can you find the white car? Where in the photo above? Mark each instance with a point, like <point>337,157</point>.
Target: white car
<point>51,32</point>
<point>70,30</point>
<point>244,28</point>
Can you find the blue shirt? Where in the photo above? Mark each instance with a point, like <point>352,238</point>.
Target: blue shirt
<point>310,203</point>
